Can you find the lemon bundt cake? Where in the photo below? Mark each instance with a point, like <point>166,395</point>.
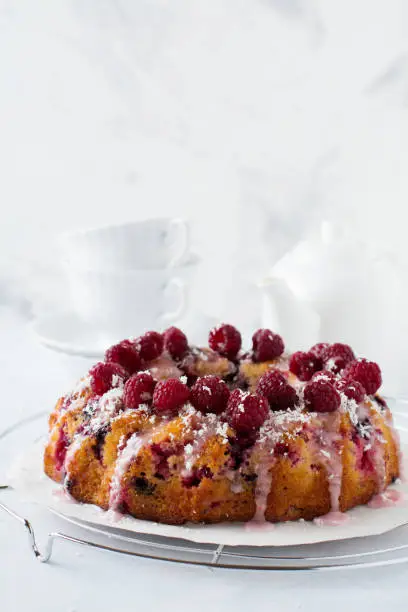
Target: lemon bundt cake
<point>169,432</point>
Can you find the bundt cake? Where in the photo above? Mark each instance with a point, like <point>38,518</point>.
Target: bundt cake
<point>169,432</point>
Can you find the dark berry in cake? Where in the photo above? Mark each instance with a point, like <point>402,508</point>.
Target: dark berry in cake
<point>175,342</point>
<point>266,345</point>
<point>124,354</point>
<point>226,340</point>
<point>351,389</point>
<point>279,393</point>
<point>337,356</point>
<point>170,395</point>
<point>209,394</point>
<point>139,390</point>
<point>303,365</point>
<point>246,412</point>
<point>105,376</point>
<point>321,396</point>
<point>365,372</point>
<point>150,345</point>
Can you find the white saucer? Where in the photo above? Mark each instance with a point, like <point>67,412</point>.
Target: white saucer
<point>68,333</point>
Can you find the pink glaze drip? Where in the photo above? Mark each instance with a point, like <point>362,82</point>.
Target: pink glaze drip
<point>387,499</point>
<point>64,496</point>
<point>261,525</point>
<point>164,367</point>
<point>130,451</point>
<point>235,477</point>
<point>396,437</point>
<point>332,519</point>
<point>279,426</point>
<point>329,450</point>
<point>378,458</point>
<point>114,516</point>
<point>73,449</point>
<point>263,485</point>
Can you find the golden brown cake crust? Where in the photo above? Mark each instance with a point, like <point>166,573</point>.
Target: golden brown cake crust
<point>188,467</point>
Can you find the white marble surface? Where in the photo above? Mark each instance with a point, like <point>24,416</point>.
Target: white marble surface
<point>82,580</point>
<point>256,119</point>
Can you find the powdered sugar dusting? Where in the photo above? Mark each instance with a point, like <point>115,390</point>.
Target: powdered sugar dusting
<point>209,427</point>
<point>129,452</point>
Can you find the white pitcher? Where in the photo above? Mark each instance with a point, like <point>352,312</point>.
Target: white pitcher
<point>291,317</point>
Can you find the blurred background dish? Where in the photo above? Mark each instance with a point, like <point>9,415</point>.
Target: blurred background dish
<point>144,244</point>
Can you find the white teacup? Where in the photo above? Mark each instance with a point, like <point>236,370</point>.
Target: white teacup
<point>128,302</point>
<point>138,245</point>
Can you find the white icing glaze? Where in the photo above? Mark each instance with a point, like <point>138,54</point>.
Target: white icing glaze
<point>71,452</point>
<point>263,484</point>
<point>286,423</point>
<point>130,451</point>
<point>332,519</point>
<point>387,499</point>
<point>330,454</point>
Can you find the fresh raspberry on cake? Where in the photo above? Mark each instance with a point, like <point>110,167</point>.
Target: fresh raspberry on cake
<point>351,389</point>
<point>246,412</point>
<point>279,393</point>
<point>175,342</point>
<point>209,394</point>
<point>337,356</point>
<point>170,395</point>
<point>367,373</point>
<point>105,376</point>
<point>139,390</point>
<point>124,354</point>
<point>226,340</point>
<point>303,365</point>
<point>325,375</point>
<point>266,345</point>
<point>150,345</point>
<point>321,396</point>
<point>318,349</point>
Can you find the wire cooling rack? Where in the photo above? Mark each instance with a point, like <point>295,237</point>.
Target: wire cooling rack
<point>386,549</point>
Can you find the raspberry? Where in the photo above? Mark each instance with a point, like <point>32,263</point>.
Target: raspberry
<point>337,356</point>
<point>266,345</point>
<point>124,354</point>
<point>318,349</point>
<point>169,395</point>
<point>351,389</point>
<point>277,391</point>
<point>139,390</point>
<point>366,373</point>
<point>246,412</point>
<point>210,394</point>
<point>150,345</point>
<point>303,365</point>
<point>105,376</point>
<point>325,375</point>
<point>175,341</point>
<point>225,339</point>
<point>321,396</point>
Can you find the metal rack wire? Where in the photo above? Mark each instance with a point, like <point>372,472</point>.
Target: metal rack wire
<point>387,549</point>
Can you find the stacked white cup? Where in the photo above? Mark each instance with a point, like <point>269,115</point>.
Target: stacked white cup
<point>126,279</point>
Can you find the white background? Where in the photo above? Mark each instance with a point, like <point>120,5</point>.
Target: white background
<point>257,119</point>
